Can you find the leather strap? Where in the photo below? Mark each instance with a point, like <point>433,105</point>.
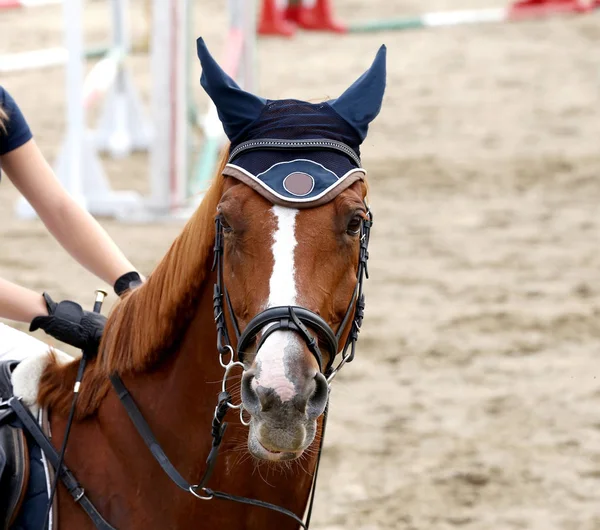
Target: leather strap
<point>68,479</point>
<point>316,474</point>
<point>286,317</point>
<point>146,433</point>
<point>236,326</point>
<point>293,323</point>
<point>144,430</point>
<point>253,502</point>
<point>45,425</point>
<point>78,379</point>
<point>150,440</point>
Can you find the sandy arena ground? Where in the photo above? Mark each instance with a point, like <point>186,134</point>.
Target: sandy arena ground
<point>474,402</point>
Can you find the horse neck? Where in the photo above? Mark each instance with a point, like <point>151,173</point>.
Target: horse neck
<point>177,399</point>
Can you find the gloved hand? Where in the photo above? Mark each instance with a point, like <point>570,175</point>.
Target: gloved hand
<point>69,323</point>
<point>129,280</point>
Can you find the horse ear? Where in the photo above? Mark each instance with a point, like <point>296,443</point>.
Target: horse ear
<point>236,108</point>
<point>361,102</point>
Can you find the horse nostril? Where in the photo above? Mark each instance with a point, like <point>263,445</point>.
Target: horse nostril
<point>249,396</point>
<point>318,400</point>
<point>266,396</point>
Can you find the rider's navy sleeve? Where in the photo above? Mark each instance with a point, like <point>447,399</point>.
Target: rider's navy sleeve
<point>17,130</point>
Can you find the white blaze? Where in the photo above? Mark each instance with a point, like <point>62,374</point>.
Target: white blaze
<point>282,286</point>
<point>282,291</point>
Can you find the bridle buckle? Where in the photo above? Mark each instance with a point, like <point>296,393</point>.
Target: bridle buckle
<point>194,491</point>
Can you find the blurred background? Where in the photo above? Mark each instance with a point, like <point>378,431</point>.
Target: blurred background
<point>475,396</point>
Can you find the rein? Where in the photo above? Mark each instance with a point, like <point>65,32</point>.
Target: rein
<point>199,490</point>
<point>292,318</point>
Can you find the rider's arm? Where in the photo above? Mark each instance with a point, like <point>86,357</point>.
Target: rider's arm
<point>20,304</point>
<point>73,227</point>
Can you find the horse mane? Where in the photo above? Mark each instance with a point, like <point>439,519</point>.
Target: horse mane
<point>144,327</point>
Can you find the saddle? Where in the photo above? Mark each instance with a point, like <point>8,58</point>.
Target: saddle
<point>14,454</point>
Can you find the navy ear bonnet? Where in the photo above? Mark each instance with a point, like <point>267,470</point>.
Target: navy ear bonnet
<point>292,152</point>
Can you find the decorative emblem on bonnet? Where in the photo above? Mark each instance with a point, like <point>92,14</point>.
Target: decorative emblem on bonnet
<point>293,152</point>
<point>296,179</point>
<point>299,184</point>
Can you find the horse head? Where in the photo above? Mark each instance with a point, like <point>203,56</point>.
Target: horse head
<point>292,229</point>
<point>285,224</point>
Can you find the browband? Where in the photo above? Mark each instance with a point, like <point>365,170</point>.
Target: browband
<point>319,143</point>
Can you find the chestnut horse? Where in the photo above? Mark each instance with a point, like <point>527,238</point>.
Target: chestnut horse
<point>269,269</point>
<point>161,339</point>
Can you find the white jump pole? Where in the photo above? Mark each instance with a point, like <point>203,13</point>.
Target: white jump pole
<point>169,152</point>
<point>170,177</point>
<point>248,13</point>
<point>75,149</point>
<point>32,60</point>
<point>123,126</point>
<point>17,4</point>
<point>77,166</point>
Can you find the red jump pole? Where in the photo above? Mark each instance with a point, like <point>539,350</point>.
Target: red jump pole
<point>526,7</point>
<point>318,16</point>
<point>273,21</point>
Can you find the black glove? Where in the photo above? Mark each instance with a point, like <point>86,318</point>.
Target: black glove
<point>129,280</point>
<point>68,322</point>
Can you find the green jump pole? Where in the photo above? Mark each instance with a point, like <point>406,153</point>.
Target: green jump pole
<point>386,25</point>
<point>515,12</point>
<point>97,52</point>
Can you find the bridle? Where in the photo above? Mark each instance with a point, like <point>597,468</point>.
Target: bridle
<point>293,318</point>
<point>288,318</point>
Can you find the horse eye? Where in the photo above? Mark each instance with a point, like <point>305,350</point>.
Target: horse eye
<point>225,224</point>
<point>354,225</point>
